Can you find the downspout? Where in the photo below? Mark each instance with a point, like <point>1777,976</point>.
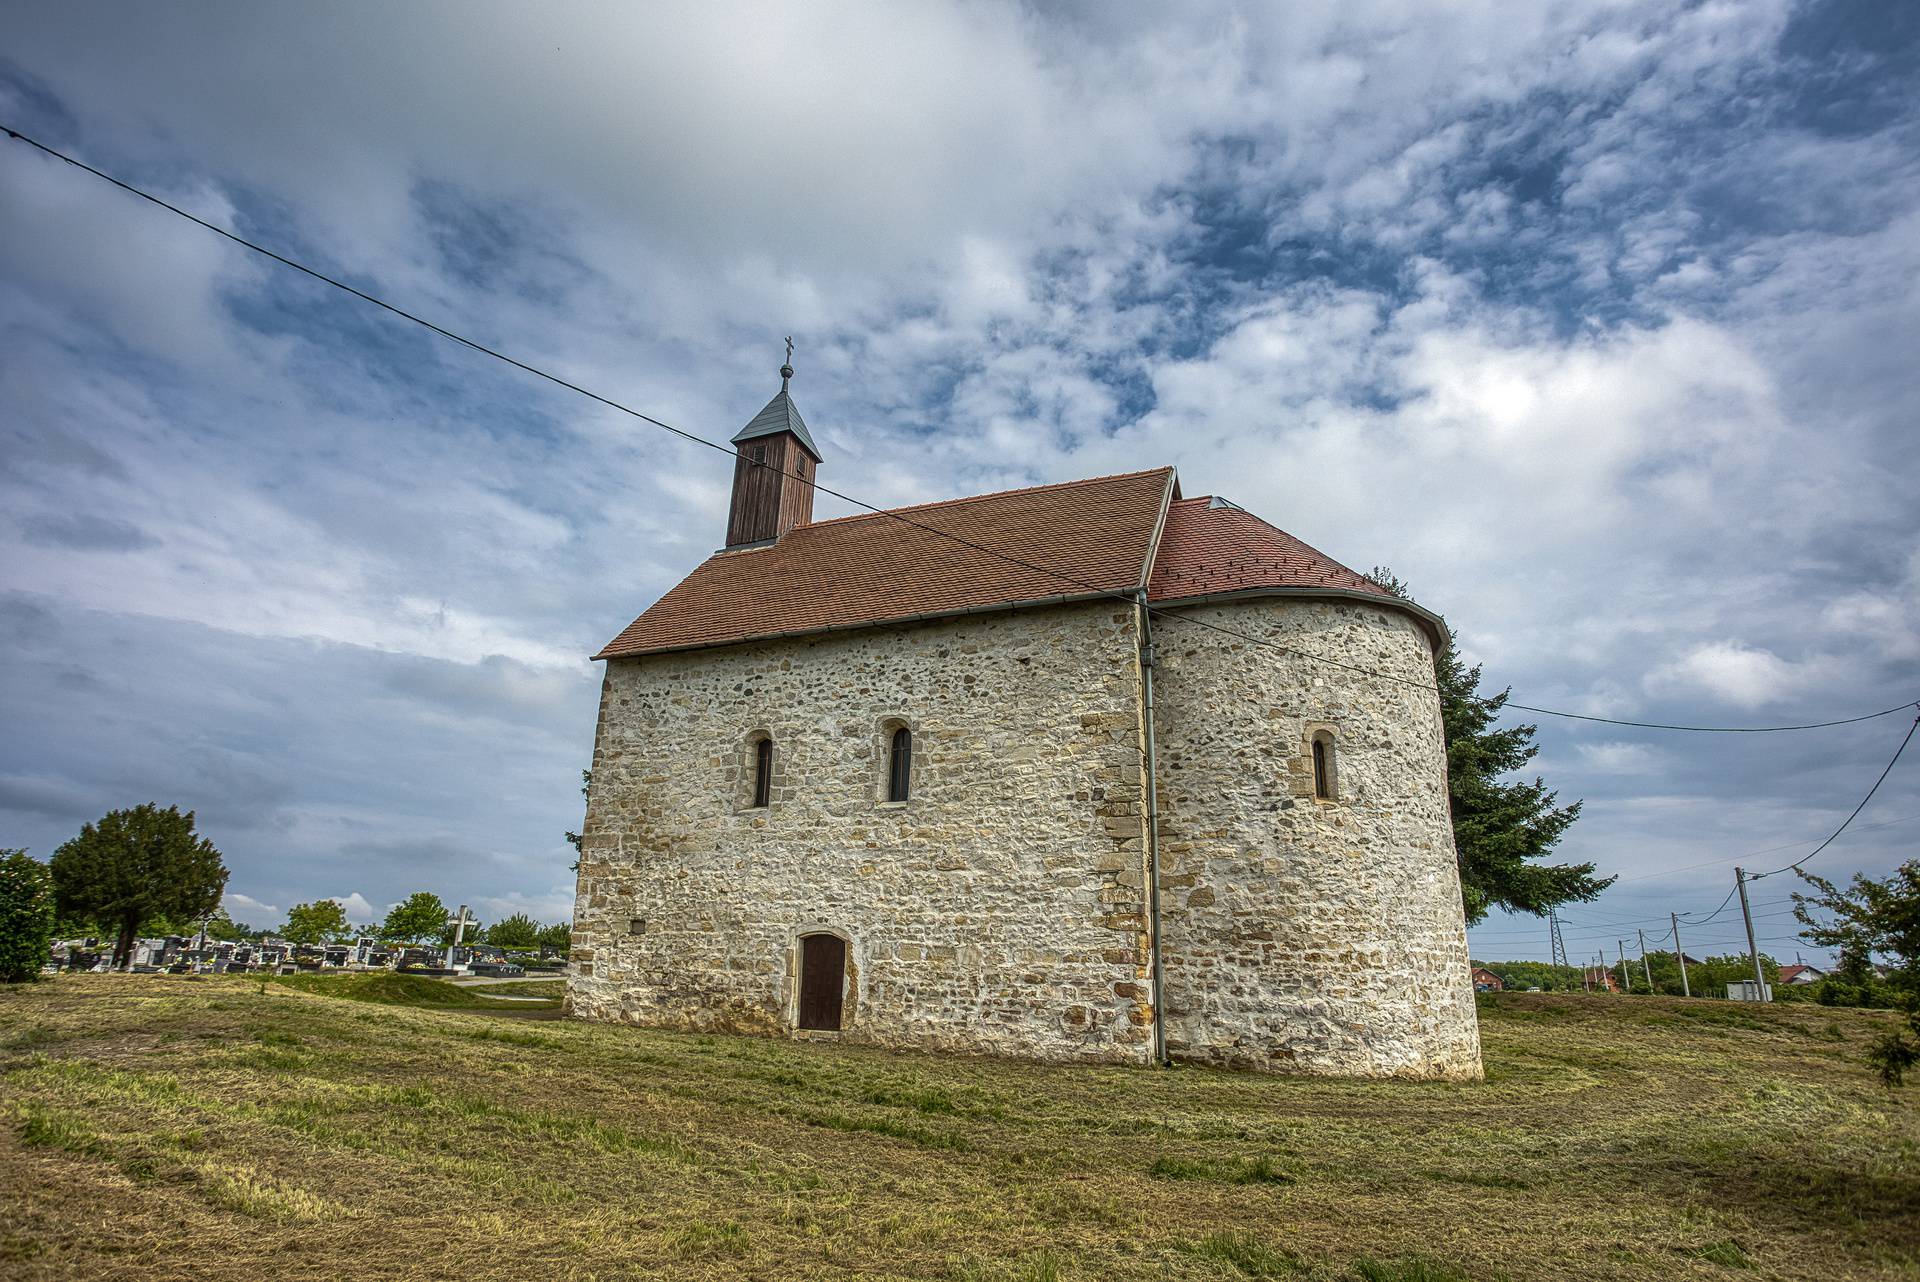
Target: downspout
<point>1144,632</point>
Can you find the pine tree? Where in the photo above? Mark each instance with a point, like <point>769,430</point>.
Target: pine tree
<point>1500,829</point>
<point>137,866</point>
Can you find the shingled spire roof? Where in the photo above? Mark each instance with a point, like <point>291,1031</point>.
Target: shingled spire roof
<point>780,415</point>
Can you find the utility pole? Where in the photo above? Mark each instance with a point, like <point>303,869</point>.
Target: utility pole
<point>1753,949</point>
<point>1644,968</point>
<point>1556,945</point>
<point>1626,976</point>
<point>1686,989</point>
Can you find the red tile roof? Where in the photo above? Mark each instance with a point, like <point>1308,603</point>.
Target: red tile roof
<point>1078,539</point>
<point>1213,546</point>
<point>1091,536</point>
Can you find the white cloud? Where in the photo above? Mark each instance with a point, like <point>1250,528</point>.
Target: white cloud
<point>1730,672</point>
<point>1614,758</point>
<point>555,904</point>
<point>240,907</point>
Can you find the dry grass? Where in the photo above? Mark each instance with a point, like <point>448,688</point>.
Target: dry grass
<point>218,1129</point>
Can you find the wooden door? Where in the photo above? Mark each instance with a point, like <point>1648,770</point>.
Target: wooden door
<point>823,980</point>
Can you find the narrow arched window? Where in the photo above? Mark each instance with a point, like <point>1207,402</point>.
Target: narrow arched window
<point>763,772</point>
<point>1324,783</point>
<point>900,764</point>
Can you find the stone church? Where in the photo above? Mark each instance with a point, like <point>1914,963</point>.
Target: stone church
<point>1056,773</point>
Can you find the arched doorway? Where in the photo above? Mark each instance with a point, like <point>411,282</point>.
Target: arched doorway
<point>823,980</point>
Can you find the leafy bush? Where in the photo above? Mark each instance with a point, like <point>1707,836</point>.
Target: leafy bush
<point>26,916</point>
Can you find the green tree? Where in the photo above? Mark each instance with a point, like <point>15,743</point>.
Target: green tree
<point>316,923</point>
<point>1854,982</point>
<point>420,917</point>
<point>135,867</point>
<point>1707,977</point>
<point>1501,827</point>
<point>26,916</point>
<point>517,931</point>
<point>557,937</point>
<point>1545,976</point>
<point>224,928</point>
<point>1872,917</point>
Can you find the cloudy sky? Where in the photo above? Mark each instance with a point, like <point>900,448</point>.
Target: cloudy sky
<point>1594,321</point>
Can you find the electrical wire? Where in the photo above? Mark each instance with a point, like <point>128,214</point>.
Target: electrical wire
<point>1752,854</point>
<point>1615,923</point>
<point>1659,725</point>
<point>1795,865</point>
<point>1695,919</point>
<point>1163,612</point>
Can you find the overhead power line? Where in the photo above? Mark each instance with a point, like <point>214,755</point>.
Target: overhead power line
<point>1752,854</point>
<point>1011,559</point>
<point>1795,865</point>
<point>1741,877</point>
<point>1661,725</point>
<point>1601,923</point>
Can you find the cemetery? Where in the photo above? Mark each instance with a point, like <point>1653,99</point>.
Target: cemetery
<point>273,955</point>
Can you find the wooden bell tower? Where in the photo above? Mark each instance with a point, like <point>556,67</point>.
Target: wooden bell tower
<point>773,467</point>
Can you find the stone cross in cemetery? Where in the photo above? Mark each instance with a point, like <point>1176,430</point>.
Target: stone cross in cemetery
<point>459,921</point>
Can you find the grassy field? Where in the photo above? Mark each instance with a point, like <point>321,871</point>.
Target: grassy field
<point>161,1128</point>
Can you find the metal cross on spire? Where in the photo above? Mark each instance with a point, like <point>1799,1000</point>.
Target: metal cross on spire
<point>786,371</point>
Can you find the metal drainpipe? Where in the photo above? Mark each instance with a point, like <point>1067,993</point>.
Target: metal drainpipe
<point>1145,634</point>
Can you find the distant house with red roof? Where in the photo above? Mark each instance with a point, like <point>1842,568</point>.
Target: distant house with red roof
<point>1087,771</point>
<point>1801,973</point>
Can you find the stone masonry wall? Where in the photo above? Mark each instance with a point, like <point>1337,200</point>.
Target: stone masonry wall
<point>998,910</point>
<point>1299,934</point>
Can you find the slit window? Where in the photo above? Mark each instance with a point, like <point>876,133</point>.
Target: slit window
<point>899,764</point>
<point>1324,782</point>
<point>762,773</point>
